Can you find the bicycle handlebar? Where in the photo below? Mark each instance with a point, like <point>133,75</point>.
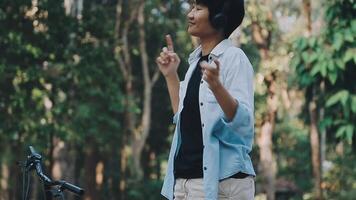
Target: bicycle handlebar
<point>34,160</point>
<point>75,189</point>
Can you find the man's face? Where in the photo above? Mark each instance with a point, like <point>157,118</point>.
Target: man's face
<point>198,21</point>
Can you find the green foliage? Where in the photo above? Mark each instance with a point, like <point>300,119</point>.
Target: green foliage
<point>59,79</point>
<point>329,60</point>
<point>148,189</point>
<point>340,178</point>
<point>56,83</point>
<point>291,141</point>
<point>53,78</point>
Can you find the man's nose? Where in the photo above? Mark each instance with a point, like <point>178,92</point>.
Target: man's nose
<point>190,15</point>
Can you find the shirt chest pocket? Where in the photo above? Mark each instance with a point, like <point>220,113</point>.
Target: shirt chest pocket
<point>212,106</point>
<point>210,97</point>
<point>211,110</point>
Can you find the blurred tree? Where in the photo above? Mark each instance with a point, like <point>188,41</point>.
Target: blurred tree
<point>26,90</point>
<point>313,115</point>
<point>78,81</point>
<point>262,29</point>
<point>324,64</point>
<point>52,87</point>
<point>133,50</point>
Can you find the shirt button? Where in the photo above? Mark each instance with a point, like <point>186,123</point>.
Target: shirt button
<point>201,103</point>
<point>202,125</point>
<point>205,168</point>
<point>201,82</point>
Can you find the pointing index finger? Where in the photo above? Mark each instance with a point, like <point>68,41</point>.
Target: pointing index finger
<point>169,43</point>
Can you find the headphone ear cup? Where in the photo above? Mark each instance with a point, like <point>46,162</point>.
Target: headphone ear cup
<point>219,21</point>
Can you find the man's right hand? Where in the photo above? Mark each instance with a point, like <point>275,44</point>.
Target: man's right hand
<point>168,61</point>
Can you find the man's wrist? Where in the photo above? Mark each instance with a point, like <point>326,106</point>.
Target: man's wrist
<point>217,86</point>
<point>170,77</point>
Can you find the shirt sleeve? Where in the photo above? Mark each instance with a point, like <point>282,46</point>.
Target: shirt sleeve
<point>181,91</point>
<point>239,83</point>
<point>175,118</point>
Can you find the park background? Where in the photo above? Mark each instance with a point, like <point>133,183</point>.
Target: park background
<point>78,81</point>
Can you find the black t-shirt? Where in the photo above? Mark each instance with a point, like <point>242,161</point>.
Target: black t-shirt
<point>189,161</point>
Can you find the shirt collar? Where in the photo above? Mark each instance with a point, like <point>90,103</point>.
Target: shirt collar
<point>217,51</point>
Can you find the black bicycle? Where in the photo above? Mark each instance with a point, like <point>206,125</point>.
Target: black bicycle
<point>53,189</point>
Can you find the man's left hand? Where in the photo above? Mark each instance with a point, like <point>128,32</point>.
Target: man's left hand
<point>211,73</point>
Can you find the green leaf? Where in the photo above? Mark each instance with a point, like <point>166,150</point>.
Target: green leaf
<point>302,43</point>
<point>325,123</point>
<point>331,66</point>
<point>340,131</point>
<point>305,56</point>
<point>353,103</point>
<point>313,57</point>
<point>322,57</point>
<point>349,55</point>
<point>344,97</point>
<point>312,42</point>
<point>353,26</point>
<point>84,111</point>
<point>340,64</point>
<point>349,36</point>
<point>338,122</point>
<point>323,69</point>
<point>332,77</point>
<point>36,93</point>
<point>340,96</point>
<point>295,61</point>
<point>338,41</point>
<point>349,130</point>
<point>345,131</point>
<point>315,69</point>
<point>135,52</point>
<point>34,51</point>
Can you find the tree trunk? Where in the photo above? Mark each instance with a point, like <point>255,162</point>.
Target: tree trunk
<point>64,159</point>
<point>307,13</point>
<point>123,57</point>
<point>313,113</point>
<point>15,172</point>
<point>322,140</point>
<point>4,180</point>
<point>268,166</point>
<point>112,171</point>
<point>36,189</point>
<point>91,160</point>
<point>74,8</point>
<point>267,159</point>
<point>142,132</point>
<point>137,125</point>
<point>315,147</point>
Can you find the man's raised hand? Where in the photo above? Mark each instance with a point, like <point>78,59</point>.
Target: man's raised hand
<point>168,61</point>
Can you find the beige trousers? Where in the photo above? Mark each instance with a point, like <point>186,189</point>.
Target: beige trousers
<point>229,189</point>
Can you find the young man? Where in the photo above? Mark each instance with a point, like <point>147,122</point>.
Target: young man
<point>213,109</point>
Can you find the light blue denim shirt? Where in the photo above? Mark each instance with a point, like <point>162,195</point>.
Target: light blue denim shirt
<point>227,144</point>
